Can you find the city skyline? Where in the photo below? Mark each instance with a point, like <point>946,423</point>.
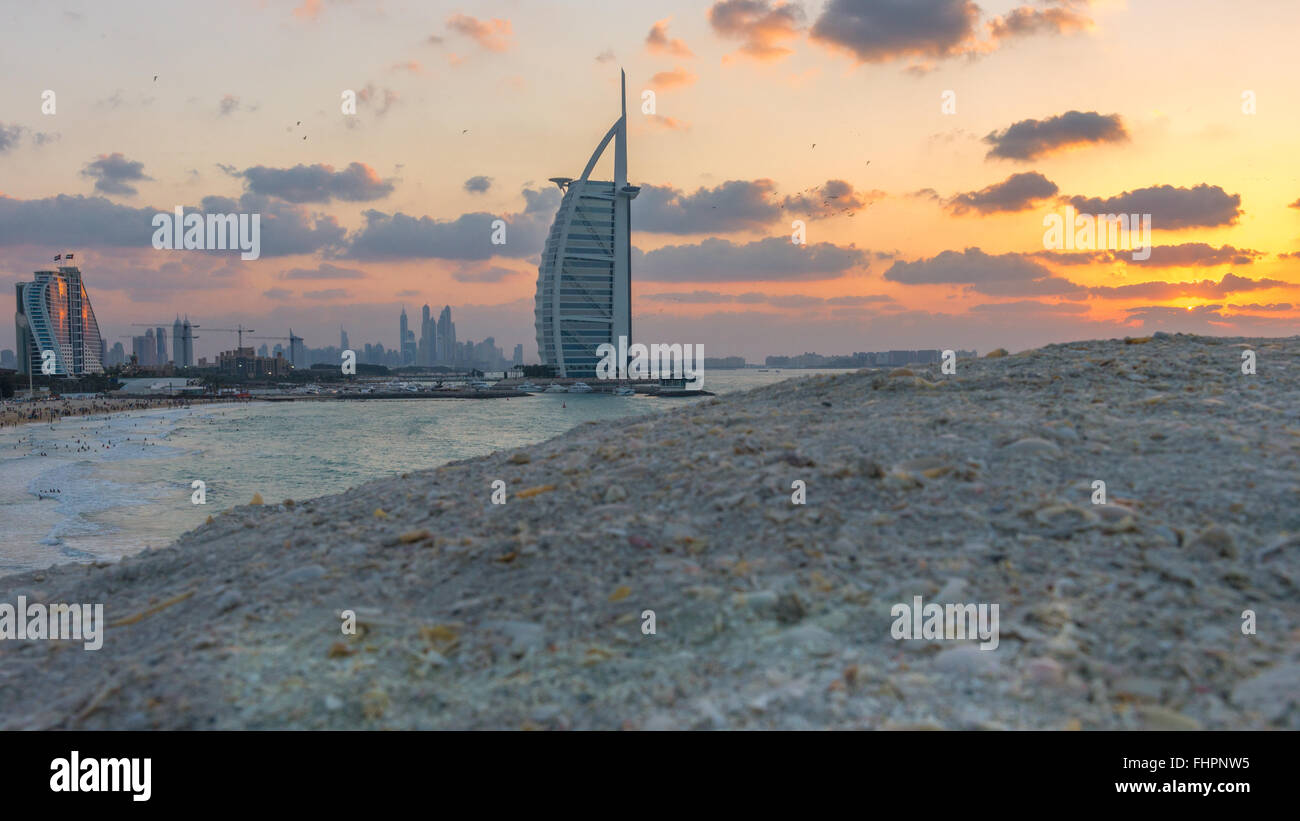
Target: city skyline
<point>922,152</point>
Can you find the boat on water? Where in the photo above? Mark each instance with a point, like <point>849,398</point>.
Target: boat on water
<point>579,387</point>
<point>624,392</point>
<point>529,387</point>
<point>557,389</point>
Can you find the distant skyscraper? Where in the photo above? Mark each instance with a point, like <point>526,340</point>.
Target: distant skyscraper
<point>428,346</point>
<point>263,351</point>
<point>54,314</point>
<point>178,343</point>
<point>446,337</point>
<point>160,339</point>
<point>343,339</point>
<point>297,356</point>
<point>187,350</point>
<point>117,354</point>
<point>584,283</point>
<point>519,355</point>
<point>401,334</point>
<point>7,359</point>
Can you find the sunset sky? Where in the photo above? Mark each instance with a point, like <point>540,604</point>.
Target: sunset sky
<point>763,112</point>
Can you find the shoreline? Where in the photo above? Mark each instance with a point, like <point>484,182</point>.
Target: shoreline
<point>976,487</point>
<point>48,411</point>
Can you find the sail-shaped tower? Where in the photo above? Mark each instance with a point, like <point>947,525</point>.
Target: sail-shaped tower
<point>584,294</point>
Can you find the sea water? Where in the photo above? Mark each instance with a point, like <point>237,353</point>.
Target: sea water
<point>103,487</point>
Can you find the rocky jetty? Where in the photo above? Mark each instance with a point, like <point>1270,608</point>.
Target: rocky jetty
<point>974,487</point>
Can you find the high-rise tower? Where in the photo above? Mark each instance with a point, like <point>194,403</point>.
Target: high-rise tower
<point>54,314</point>
<point>584,288</point>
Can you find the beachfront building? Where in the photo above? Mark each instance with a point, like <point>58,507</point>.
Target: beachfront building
<point>243,363</point>
<point>54,314</point>
<point>583,294</point>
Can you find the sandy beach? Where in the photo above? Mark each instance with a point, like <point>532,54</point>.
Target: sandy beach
<point>972,488</point>
<point>52,410</point>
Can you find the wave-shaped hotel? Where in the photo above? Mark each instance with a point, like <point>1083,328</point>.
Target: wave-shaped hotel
<point>54,314</point>
<point>584,281</point>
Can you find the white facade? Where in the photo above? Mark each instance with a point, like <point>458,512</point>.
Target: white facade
<point>583,294</point>
<point>54,314</point>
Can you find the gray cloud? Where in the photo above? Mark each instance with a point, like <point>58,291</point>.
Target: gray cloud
<point>230,104</point>
<point>1015,193</point>
<point>969,267</point>
<point>1255,306</point>
<point>1205,289</point>
<point>735,205</point>
<point>67,221</point>
<point>1197,254</point>
<point>478,184</point>
<point>113,174</point>
<point>9,136</point>
<point>1030,139</point>
<point>877,31</point>
<point>468,237</point>
<point>1185,255</point>
<point>74,221</point>
<point>323,271</point>
<point>286,229</point>
<point>1170,208</point>
<point>771,259</point>
<point>779,300</point>
<point>318,183</point>
<point>835,197</point>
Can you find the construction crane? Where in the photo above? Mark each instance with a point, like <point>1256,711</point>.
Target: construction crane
<point>241,330</point>
<point>292,337</point>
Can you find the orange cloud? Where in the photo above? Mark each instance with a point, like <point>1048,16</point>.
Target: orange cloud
<point>670,123</point>
<point>658,42</point>
<point>673,79</point>
<point>492,35</point>
<point>761,26</point>
<point>309,10</point>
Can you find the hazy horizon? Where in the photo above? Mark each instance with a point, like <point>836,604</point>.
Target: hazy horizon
<point>765,112</point>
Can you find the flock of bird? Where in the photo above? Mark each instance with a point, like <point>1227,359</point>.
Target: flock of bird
<point>825,203</point>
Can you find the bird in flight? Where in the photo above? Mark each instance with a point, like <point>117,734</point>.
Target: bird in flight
<point>155,78</point>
